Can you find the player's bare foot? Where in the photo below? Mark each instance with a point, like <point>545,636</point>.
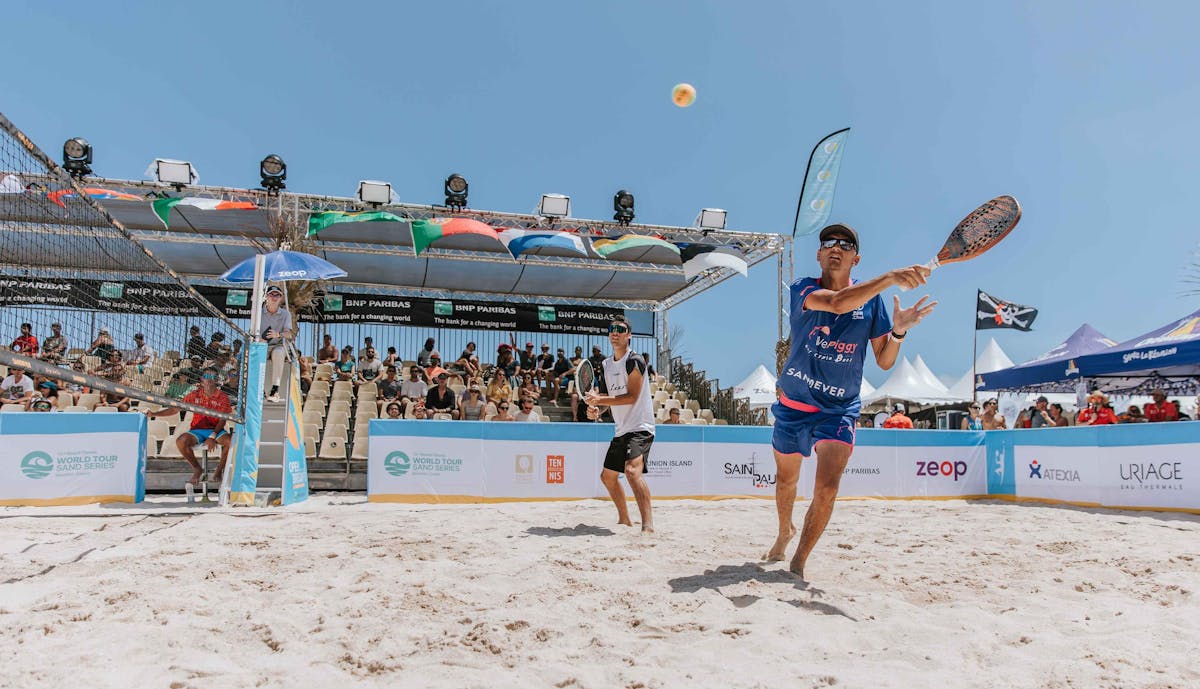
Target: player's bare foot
<point>777,553</point>
<point>647,528</point>
<point>624,522</point>
<point>197,476</point>
<point>796,568</point>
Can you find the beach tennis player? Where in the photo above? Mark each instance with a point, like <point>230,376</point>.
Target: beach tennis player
<point>832,320</point>
<point>628,398</point>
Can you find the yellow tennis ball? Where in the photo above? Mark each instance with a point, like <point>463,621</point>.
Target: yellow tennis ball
<point>683,95</point>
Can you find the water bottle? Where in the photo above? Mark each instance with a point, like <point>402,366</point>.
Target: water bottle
<point>191,493</point>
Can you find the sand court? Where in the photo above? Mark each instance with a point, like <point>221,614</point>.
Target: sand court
<point>336,591</point>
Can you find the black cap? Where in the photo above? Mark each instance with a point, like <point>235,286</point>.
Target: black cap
<point>840,230</point>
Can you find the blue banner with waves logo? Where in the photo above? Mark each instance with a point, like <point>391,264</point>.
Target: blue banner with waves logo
<point>820,182</point>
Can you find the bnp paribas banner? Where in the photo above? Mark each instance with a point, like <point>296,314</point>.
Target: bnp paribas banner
<point>72,459</point>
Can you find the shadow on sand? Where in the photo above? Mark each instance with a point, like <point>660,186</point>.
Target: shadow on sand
<point>728,575</point>
<point>577,530</point>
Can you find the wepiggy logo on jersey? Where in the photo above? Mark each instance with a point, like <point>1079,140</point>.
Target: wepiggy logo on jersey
<point>943,469</point>
<point>822,347</point>
<point>1151,475</point>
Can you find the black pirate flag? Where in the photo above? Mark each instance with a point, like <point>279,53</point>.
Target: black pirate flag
<point>991,312</point>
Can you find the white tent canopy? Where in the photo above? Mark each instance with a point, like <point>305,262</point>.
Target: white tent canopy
<point>992,358</point>
<point>908,384</point>
<point>928,377</point>
<point>758,387</point>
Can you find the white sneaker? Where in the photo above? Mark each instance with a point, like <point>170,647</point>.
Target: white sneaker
<point>273,398</point>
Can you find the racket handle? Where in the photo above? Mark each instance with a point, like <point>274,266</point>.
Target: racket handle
<point>931,265</point>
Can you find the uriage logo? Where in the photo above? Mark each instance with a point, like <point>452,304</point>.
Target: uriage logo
<point>946,468</point>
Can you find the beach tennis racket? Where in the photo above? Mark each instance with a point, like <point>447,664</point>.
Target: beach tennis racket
<point>979,231</point>
<point>585,378</point>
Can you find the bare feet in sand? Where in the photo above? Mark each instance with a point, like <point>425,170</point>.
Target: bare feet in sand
<point>797,568</point>
<point>624,522</point>
<point>647,528</point>
<point>197,476</point>
<point>777,553</point>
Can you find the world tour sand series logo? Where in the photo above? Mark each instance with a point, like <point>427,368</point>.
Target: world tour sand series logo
<point>37,465</point>
<point>397,464</point>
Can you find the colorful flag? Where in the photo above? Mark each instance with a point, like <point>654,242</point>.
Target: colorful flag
<point>162,207</point>
<point>992,313</point>
<point>698,258</point>
<point>426,232</point>
<point>93,192</point>
<point>607,247</point>
<point>520,241</point>
<point>322,220</point>
<point>820,180</point>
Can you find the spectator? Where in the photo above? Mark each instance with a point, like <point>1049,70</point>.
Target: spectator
<point>393,410</point>
<point>113,399</point>
<point>195,345</point>
<point>1039,415</point>
<point>1160,409</point>
<point>142,355</point>
<point>1132,415</point>
<point>472,408</point>
<point>672,416</point>
<point>865,422</point>
<point>388,389</point>
<point>526,412</point>
<point>527,362</point>
<point>435,367</point>
<point>545,365</point>
<point>392,359</point>
<point>441,399</point>
<point>307,370</point>
<point>208,430</point>
<point>368,343</point>
<point>102,346</point>
<point>196,369</point>
<point>597,358</point>
<point>414,388</point>
<point>327,354</point>
<point>17,388</point>
<point>26,344</point>
<point>77,390</point>
<point>578,356</point>
<point>502,412</point>
<point>345,366</point>
<point>898,419</point>
<point>973,421</point>
<point>41,404</point>
<point>561,375</point>
<point>425,353</point>
<point>992,419</point>
<point>529,387</point>
<point>1097,413</point>
<point>55,346</point>
<point>112,369</point>
<point>277,331</point>
<point>650,374</point>
<point>468,361</point>
<point>506,363</point>
<point>1056,413</point>
<point>46,389</point>
<point>498,390</point>
<point>214,347</point>
<point>369,367</point>
<point>178,387</point>
<point>1022,419</point>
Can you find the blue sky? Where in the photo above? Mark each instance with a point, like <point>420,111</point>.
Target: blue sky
<point>1085,112</point>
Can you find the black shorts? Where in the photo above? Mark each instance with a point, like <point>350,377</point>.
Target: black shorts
<point>626,447</point>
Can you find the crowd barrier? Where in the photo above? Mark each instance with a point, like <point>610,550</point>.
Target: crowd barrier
<point>72,459</point>
<point>1141,466</point>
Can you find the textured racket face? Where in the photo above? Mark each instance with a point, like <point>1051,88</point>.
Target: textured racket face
<point>981,230</point>
<point>585,378</point>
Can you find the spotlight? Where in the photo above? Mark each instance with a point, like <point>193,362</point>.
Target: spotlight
<point>77,157</point>
<point>273,171</point>
<point>711,219</point>
<point>177,173</point>
<point>623,205</point>
<point>456,191</point>
<point>554,206</point>
<point>374,193</point>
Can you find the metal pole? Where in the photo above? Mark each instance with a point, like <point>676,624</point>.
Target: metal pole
<point>779,298</point>
<point>260,270</point>
<point>974,356</point>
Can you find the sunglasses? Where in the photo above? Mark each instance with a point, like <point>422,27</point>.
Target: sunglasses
<point>274,295</point>
<point>503,407</point>
<point>843,244</point>
<point>208,376</point>
<point>42,406</point>
<point>618,328</point>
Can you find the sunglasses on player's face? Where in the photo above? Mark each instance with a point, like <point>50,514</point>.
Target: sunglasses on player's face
<point>618,328</point>
<point>843,244</point>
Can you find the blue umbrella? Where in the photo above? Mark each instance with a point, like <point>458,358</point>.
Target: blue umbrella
<point>285,265</point>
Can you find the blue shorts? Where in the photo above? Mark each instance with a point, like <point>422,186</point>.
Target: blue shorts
<point>797,431</point>
<point>201,434</point>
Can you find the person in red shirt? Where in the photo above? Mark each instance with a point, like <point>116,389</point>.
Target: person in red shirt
<point>25,344</point>
<point>208,430</point>
<point>1097,412</point>
<point>1160,409</point>
<point>898,419</point>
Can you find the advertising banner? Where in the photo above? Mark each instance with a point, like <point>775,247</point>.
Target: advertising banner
<point>439,461</point>
<point>295,464</point>
<point>243,472</point>
<point>72,459</point>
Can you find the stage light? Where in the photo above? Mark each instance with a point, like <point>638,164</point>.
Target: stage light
<point>177,173</point>
<point>554,206</point>
<point>374,193</point>
<point>711,219</point>
<point>456,191</point>
<point>623,205</point>
<point>77,157</point>
<point>273,171</point>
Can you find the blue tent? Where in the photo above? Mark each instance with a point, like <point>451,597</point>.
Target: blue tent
<point>1048,372</point>
<point>1167,357</point>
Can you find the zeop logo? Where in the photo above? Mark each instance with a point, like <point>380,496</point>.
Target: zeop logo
<point>946,468</point>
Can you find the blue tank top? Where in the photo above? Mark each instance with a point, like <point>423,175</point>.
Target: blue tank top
<point>824,368</point>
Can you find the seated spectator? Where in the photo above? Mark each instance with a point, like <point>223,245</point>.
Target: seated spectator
<point>195,345</point>
<point>102,346</point>
<point>1132,415</point>
<point>55,346</point>
<point>1098,412</point>
<point>414,388</point>
<point>388,389</point>
<point>42,404</point>
<point>327,354</point>
<point>526,412</point>
<point>527,360</point>
<point>508,364</point>
<point>1039,415</point>
<point>472,408</point>
<point>502,412</point>
<point>1056,413</point>
<point>425,353</point>
<point>435,367</point>
<point>344,370</point>
<point>992,419</point>
<point>112,399</point>
<point>392,359</point>
<point>215,346</point>
<point>672,416</point>
<point>973,421</point>
<point>650,374</point>
<point>112,369</point>
<point>597,358</point>
<point>560,375</point>
<point>529,387</point>
<point>468,362</point>
<point>307,371</point>
<point>46,389</point>
<point>178,387</point>
<point>498,390</point>
<point>578,356</point>
<point>898,419</point>
<point>228,369</point>
<point>195,371</point>
<point>544,366</point>
<point>142,355</point>
<point>206,430</point>
<point>393,410</point>
<point>26,344</point>
<point>1160,409</point>
<point>76,390</point>
<point>867,422</point>
<point>369,367</point>
<point>441,399</point>
<point>1023,419</point>
<point>17,388</point>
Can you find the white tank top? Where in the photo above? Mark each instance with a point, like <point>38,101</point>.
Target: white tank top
<point>638,416</point>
